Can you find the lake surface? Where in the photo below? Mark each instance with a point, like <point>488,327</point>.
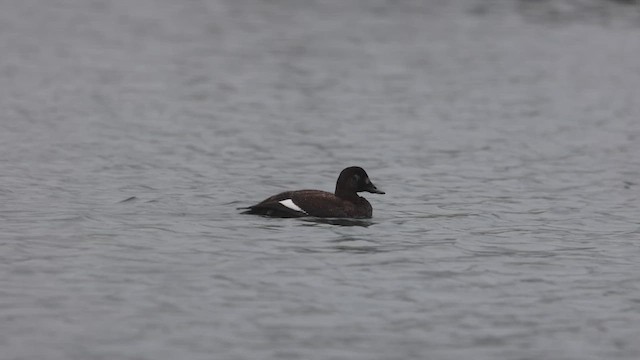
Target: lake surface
<point>506,135</point>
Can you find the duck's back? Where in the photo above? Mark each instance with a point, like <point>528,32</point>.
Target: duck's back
<point>311,203</point>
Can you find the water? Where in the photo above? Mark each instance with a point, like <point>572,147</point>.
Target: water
<point>505,133</point>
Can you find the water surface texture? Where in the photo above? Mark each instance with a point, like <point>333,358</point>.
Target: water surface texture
<point>506,135</point>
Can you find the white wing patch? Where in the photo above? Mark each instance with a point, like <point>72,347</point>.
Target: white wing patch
<point>291,205</point>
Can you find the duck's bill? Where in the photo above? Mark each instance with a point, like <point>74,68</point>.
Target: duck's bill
<point>373,189</point>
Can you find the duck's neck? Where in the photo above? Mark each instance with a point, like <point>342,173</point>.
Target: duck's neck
<point>347,195</point>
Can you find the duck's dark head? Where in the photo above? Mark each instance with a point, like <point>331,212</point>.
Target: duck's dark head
<point>352,180</point>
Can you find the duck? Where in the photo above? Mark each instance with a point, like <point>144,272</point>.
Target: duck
<point>343,203</point>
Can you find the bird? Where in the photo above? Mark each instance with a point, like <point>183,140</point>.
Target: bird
<point>343,203</point>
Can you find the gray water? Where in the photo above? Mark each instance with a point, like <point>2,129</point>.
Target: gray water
<point>506,135</point>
